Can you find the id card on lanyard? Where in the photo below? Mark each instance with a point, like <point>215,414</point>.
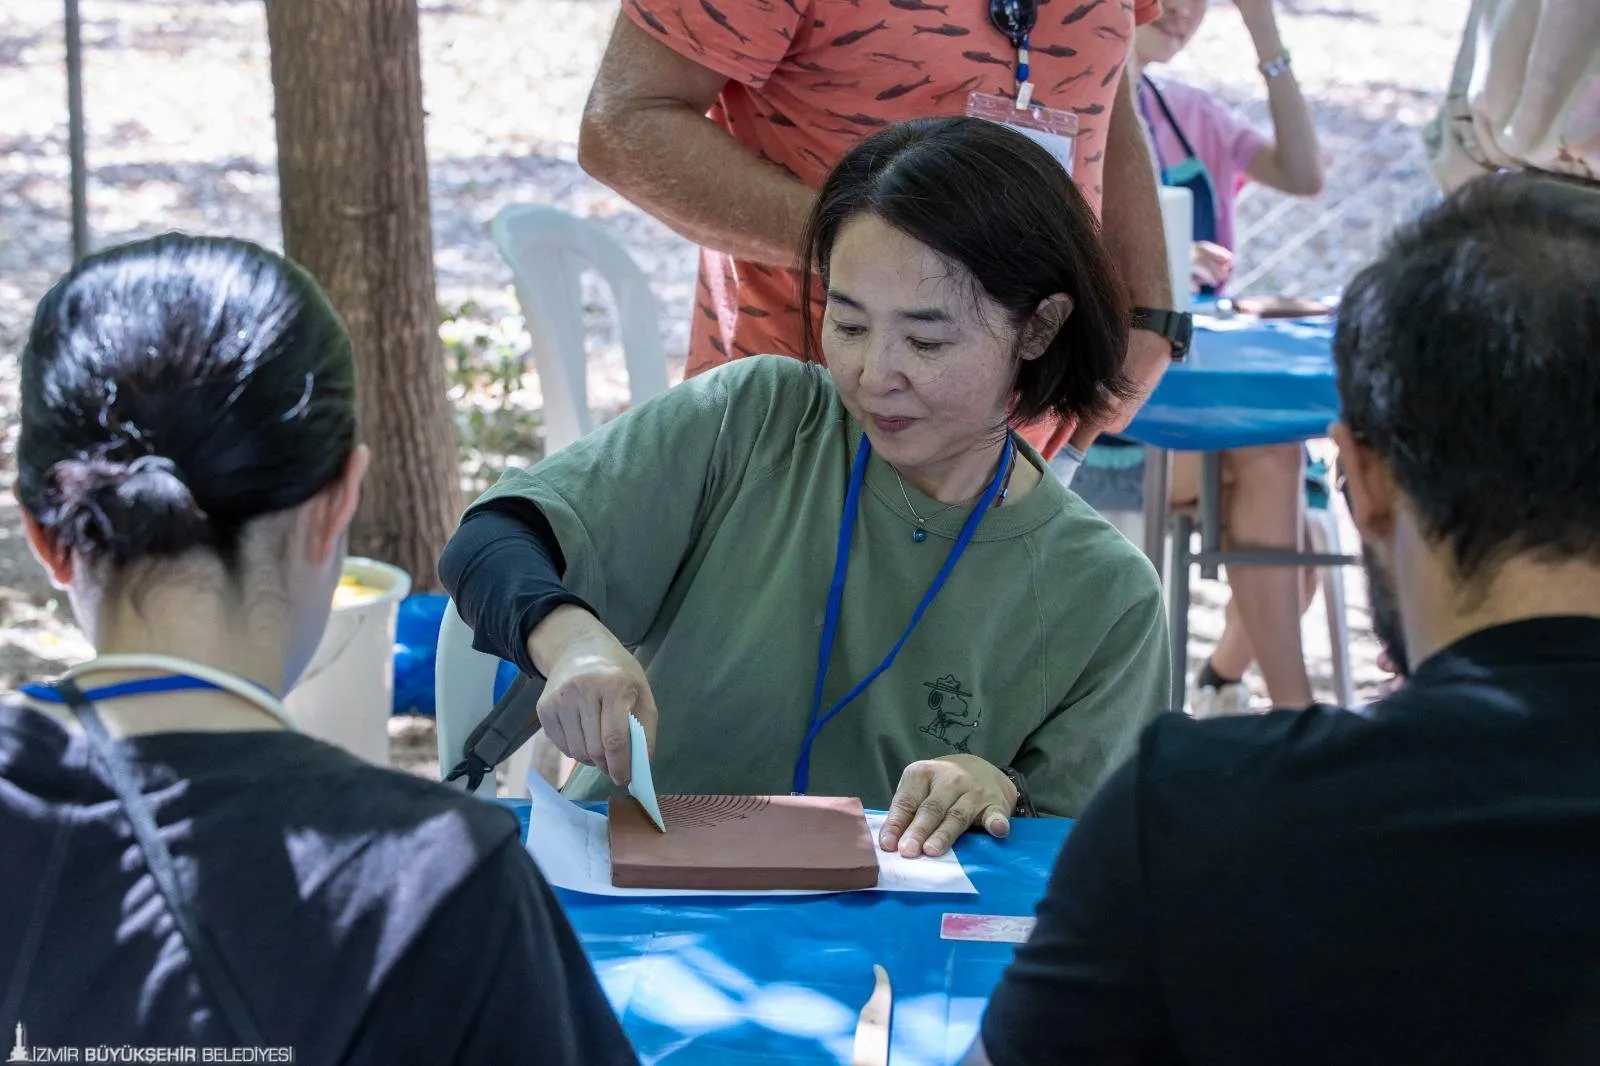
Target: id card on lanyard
<point>1053,130</point>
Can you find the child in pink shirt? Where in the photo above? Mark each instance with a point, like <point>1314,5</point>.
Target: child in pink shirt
<point>1198,142</point>
<point>1221,140</point>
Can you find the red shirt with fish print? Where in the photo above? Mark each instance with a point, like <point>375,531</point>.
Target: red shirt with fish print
<point>809,78</point>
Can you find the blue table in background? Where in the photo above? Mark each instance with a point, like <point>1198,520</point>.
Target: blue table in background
<point>1247,382</point>
<point>780,980</point>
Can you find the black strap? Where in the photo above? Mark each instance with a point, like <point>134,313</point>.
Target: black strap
<point>214,975</point>
<point>513,721</point>
<point>1161,102</point>
<point>472,768</point>
<point>1024,807</point>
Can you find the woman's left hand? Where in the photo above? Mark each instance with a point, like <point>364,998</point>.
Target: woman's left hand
<point>939,799</point>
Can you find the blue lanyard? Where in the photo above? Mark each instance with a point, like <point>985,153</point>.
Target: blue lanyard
<point>841,564</point>
<point>144,686</point>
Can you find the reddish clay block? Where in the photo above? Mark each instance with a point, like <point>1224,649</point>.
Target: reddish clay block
<point>743,842</point>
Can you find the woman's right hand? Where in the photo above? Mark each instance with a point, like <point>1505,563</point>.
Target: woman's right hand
<point>593,684</point>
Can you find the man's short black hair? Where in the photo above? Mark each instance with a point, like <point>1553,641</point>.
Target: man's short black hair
<point>1469,361</point>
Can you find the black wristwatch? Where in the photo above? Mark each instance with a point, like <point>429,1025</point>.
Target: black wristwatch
<point>1024,806</point>
<point>1176,326</point>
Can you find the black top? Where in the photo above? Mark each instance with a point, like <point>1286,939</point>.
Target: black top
<point>503,570</point>
<point>1415,884</point>
<point>369,916</point>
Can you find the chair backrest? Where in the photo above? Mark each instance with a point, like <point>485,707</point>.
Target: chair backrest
<point>548,250</point>
<point>463,692</point>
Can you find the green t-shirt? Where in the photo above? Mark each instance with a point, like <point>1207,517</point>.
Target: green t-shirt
<point>702,528</point>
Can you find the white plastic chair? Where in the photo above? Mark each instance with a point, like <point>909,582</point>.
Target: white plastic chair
<point>463,692</point>
<point>548,251</point>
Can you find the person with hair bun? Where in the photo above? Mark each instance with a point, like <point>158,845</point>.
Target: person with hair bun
<point>854,580</point>
<point>183,867</point>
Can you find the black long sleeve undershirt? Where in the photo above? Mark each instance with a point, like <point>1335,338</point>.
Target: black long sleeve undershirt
<point>503,569</point>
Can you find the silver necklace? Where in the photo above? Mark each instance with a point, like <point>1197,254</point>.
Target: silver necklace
<point>920,534</point>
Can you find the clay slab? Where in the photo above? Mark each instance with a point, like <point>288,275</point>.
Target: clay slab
<point>743,843</point>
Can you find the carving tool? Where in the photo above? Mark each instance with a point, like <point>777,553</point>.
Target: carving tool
<point>872,1029</point>
<point>642,786</point>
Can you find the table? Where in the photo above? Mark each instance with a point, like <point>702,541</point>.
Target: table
<point>1247,382</point>
<point>781,981</point>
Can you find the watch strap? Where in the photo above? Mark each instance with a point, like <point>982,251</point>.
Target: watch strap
<point>1277,66</point>
<point>1024,806</point>
<point>1176,326</point>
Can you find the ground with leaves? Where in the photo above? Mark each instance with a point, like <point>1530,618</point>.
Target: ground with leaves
<point>180,136</point>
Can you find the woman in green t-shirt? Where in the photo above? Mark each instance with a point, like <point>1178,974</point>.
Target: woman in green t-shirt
<point>854,580</point>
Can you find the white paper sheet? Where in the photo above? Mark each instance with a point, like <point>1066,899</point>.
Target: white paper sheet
<point>570,846</point>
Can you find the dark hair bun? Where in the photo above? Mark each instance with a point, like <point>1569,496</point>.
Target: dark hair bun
<point>176,389</point>
<point>121,511</point>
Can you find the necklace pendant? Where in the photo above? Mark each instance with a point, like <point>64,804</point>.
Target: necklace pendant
<point>920,535</point>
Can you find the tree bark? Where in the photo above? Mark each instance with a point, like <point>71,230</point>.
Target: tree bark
<point>353,177</point>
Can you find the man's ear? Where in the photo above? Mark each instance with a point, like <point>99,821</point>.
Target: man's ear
<point>1374,496</point>
<point>1043,326</point>
<point>56,561</point>
<point>335,505</point>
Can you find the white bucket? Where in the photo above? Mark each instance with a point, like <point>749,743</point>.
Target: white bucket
<point>346,694</point>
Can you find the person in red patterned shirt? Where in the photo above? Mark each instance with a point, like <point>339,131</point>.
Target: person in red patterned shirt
<point>721,118</point>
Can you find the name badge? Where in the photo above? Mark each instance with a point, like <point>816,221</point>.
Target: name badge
<point>1053,130</point>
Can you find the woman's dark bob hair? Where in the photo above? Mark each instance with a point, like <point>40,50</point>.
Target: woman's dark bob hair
<point>985,196</point>
<point>173,389</point>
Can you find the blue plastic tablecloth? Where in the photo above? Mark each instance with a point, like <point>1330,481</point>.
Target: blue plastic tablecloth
<point>781,980</point>
<point>1245,383</point>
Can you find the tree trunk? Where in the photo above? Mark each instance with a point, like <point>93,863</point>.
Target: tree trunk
<point>353,175</point>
